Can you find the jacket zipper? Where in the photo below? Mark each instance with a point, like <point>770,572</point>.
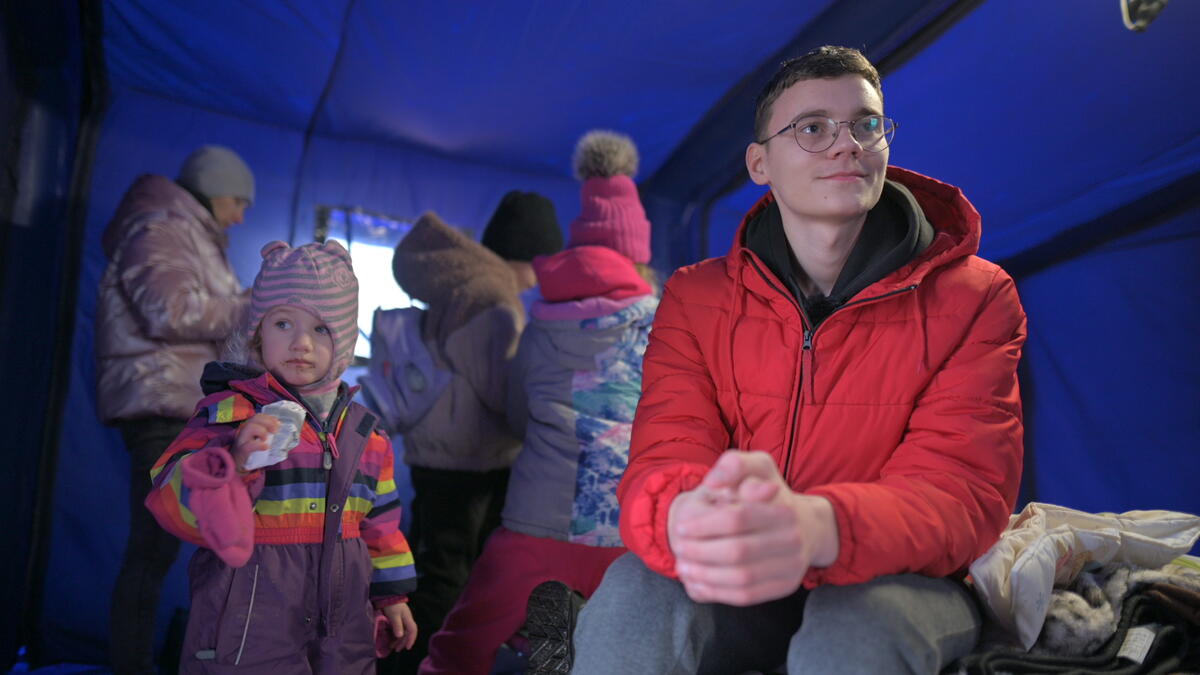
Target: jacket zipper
<point>807,346</point>
<point>322,431</point>
<point>806,361</point>
<point>249,613</point>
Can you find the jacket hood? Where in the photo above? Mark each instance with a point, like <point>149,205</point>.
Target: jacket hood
<point>218,374</point>
<point>955,221</point>
<point>587,272</point>
<point>259,385</point>
<point>454,275</point>
<point>154,194</point>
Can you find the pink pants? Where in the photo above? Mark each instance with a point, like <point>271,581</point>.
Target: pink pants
<point>492,606</point>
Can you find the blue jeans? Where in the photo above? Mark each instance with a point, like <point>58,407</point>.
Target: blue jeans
<point>642,622</point>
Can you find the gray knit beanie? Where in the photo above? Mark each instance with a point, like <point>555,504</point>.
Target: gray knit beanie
<point>217,171</point>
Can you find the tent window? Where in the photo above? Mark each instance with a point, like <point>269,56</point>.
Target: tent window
<point>370,237</point>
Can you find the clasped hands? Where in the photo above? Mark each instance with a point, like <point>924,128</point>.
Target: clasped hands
<point>743,537</point>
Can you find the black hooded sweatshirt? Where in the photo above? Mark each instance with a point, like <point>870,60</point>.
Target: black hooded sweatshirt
<point>895,232</point>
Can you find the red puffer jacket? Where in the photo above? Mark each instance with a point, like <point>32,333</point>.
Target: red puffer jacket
<point>901,408</point>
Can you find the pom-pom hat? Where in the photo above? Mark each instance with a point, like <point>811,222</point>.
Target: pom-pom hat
<point>611,214</point>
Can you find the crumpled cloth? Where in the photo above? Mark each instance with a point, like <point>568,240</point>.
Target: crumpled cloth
<point>1085,615</point>
<point>1047,545</point>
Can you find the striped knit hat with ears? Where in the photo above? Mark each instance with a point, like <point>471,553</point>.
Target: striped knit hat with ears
<point>611,212</point>
<point>318,278</point>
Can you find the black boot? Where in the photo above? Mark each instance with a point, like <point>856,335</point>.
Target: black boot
<point>550,622</point>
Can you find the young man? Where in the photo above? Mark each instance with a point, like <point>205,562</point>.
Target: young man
<point>168,300</point>
<point>830,428</point>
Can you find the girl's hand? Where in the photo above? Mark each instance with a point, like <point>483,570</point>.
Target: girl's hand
<point>403,625</point>
<point>252,437</point>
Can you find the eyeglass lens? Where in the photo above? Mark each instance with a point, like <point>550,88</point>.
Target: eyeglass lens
<point>816,134</point>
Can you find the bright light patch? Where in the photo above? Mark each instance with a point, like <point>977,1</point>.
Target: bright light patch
<point>371,239</point>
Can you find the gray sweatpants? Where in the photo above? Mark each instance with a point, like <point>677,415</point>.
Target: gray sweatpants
<point>642,622</point>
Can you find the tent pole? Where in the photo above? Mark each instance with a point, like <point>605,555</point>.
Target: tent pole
<point>302,164</point>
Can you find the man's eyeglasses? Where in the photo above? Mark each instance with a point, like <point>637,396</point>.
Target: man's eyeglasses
<point>816,133</point>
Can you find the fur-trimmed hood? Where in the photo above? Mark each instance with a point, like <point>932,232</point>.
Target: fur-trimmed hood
<point>451,273</point>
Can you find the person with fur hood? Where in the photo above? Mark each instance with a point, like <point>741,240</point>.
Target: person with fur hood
<point>573,389</point>
<point>168,300</point>
<point>452,360</point>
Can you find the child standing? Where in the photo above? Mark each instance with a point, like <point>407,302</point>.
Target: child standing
<point>451,411</point>
<point>573,389</point>
<point>298,555</point>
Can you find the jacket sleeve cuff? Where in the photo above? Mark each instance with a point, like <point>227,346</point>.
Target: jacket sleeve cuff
<point>645,529</point>
<point>841,572</point>
<point>388,601</point>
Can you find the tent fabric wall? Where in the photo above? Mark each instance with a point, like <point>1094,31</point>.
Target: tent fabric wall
<point>1114,373</point>
<point>263,61</point>
<point>488,83</point>
<point>1047,119</point>
<point>404,181</point>
<point>518,83</point>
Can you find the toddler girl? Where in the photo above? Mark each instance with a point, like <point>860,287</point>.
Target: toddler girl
<point>293,506</point>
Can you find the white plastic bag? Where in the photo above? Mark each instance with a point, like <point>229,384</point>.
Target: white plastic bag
<point>280,443</point>
<point>1047,545</point>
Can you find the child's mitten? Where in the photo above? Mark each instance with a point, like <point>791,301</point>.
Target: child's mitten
<point>220,501</point>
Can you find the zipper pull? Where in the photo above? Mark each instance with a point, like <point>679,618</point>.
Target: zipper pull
<point>808,337</point>
<point>327,458</point>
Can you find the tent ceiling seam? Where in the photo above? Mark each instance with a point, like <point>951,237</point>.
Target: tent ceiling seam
<point>312,120</point>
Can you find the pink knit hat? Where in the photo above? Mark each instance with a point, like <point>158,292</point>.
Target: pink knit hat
<point>611,214</point>
<point>318,278</point>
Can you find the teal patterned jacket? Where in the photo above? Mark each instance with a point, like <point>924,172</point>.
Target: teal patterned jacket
<point>573,391</point>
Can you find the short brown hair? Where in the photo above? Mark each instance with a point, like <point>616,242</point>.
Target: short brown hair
<point>825,62</point>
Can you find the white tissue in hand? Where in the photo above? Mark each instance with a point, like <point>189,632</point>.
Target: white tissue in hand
<point>291,417</point>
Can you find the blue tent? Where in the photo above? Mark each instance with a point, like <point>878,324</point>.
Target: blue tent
<point>1076,138</point>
